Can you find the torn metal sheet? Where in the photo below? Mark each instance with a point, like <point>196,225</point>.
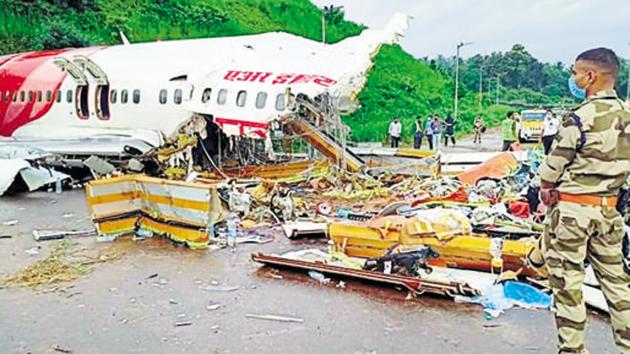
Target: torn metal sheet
<point>296,229</point>
<point>417,286</point>
<point>180,211</point>
<point>10,169</point>
<point>37,177</point>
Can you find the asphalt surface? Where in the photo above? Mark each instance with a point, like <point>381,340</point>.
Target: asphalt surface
<point>132,304</point>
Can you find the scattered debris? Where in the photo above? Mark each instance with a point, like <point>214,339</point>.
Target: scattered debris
<point>34,251</point>
<point>275,318</point>
<point>182,324</point>
<point>61,350</point>
<point>220,288</point>
<point>5,237</point>
<point>10,222</point>
<point>318,276</point>
<point>212,307</point>
<point>64,264</point>
<point>46,235</point>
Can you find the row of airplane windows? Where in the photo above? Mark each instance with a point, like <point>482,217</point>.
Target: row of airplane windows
<point>222,95</point>
<point>241,98</point>
<point>32,96</point>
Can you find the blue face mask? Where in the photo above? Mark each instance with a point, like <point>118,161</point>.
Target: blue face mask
<point>576,91</point>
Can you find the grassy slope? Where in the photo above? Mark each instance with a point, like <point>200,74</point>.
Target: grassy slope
<point>398,84</point>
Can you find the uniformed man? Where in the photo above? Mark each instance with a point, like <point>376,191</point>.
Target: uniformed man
<point>580,180</point>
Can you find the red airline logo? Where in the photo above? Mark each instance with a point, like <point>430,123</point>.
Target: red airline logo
<point>277,79</point>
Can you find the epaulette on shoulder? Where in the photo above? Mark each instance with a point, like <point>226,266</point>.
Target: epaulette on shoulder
<point>577,121</point>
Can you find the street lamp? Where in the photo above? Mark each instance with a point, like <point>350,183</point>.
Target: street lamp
<point>481,86</point>
<point>461,44</point>
<point>498,85</point>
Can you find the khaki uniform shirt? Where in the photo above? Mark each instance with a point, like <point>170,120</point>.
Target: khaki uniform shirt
<point>591,153</point>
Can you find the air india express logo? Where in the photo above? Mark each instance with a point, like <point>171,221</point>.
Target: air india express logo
<point>277,79</point>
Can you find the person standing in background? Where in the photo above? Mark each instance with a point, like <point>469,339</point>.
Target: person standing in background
<point>479,127</point>
<point>435,127</point>
<point>449,131</point>
<point>508,131</point>
<point>550,129</point>
<point>418,132</point>
<point>395,131</point>
<point>429,131</point>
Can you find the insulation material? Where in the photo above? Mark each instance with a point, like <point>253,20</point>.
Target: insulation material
<point>180,211</point>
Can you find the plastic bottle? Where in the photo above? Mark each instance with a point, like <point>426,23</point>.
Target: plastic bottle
<point>58,188</point>
<point>232,223</point>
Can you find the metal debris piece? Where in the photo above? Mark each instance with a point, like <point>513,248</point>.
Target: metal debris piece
<point>212,307</point>
<point>182,324</point>
<point>45,235</point>
<point>221,288</point>
<point>275,318</point>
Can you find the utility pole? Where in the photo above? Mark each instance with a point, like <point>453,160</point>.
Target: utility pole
<point>461,44</point>
<point>323,27</point>
<point>481,86</point>
<point>498,84</point>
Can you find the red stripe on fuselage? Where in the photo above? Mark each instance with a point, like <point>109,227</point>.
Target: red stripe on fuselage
<point>32,72</point>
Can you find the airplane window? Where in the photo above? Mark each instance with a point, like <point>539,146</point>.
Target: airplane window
<point>261,100</point>
<point>124,96</point>
<point>163,96</point>
<point>280,102</point>
<point>21,96</point>
<point>222,96</point>
<point>58,96</point>
<point>136,96</point>
<point>30,96</point>
<point>112,96</point>
<point>177,98</point>
<point>48,96</point>
<point>7,96</point>
<point>69,96</point>
<point>205,97</point>
<point>241,98</point>
<point>39,96</point>
<point>14,96</point>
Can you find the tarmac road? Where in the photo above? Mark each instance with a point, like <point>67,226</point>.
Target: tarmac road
<point>117,308</point>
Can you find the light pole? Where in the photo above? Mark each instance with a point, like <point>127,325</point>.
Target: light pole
<point>323,26</point>
<point>498,86</point>
<point>461,44</point>
<point>481,86</point>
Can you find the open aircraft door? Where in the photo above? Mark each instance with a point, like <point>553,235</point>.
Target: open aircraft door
<point>81,93</point>
<point>101,94</point>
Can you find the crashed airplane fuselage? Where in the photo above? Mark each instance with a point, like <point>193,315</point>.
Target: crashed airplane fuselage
<point>97,100</point>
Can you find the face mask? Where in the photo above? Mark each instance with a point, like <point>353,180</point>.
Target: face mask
<point>576,91</point>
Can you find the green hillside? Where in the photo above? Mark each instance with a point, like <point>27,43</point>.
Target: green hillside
<point>399,85</point>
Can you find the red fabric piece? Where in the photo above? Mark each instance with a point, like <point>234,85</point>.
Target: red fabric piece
<point>519,209</point>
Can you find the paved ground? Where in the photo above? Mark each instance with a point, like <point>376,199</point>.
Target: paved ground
<point>118,308</point>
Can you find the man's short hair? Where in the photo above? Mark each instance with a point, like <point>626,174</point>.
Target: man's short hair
<point>510,114</point>
<point>602,57</point>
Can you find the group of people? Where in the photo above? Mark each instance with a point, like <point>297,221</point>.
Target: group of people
<point>432,128</point>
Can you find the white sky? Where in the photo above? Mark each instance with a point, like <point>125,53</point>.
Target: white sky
<point>551,30</point>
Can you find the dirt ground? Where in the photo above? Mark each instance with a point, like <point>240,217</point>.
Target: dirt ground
<point>122,306</point>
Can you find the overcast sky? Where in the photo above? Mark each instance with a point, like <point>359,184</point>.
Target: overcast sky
<point>551,30</point>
